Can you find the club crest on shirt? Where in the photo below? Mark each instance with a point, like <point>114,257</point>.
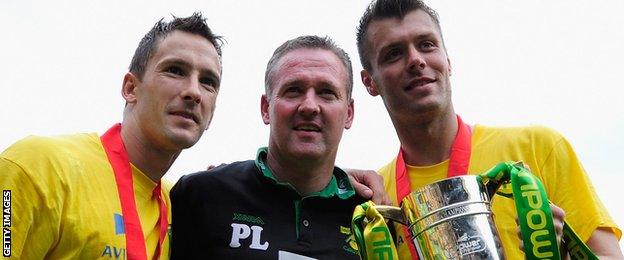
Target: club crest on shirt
<point>350,244</point>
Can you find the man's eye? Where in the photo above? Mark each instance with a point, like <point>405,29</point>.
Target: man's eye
<point>208,83</point>
<point>328,93</point>
<point>292,91</point>
<point>175,70</point>
<point>427,45</point>
<point>392,54</point>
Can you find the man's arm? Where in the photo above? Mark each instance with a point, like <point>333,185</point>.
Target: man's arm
<point>27,219</point>
<point>369,185</point>
<point>604,244</point>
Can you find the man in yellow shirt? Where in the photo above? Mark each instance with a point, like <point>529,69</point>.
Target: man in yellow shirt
<point>405,62</point>
<point>86,196</point>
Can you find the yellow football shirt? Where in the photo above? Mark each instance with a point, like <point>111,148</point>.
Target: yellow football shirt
<point>65,204</point>
<point>549,156</point>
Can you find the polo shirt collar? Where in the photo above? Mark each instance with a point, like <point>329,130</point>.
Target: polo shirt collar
<point>339,184</point>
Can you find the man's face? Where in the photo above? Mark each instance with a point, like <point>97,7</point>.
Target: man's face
<point>410,67</point>
<point>308,107</point>
<point>175,100</point>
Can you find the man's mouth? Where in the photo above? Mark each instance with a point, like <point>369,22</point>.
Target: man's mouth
<point>187,115</point>
<point>308,128</point>
<point>419,82</point>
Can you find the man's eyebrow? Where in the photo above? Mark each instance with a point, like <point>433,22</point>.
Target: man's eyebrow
<point>322,83</point>
<point>420,36</point>
<point>183,63</point>
<point>174,61</point>
<point>389,46</point>
<point>428,35</point>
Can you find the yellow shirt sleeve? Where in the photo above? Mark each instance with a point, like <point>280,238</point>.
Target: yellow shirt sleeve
<point>32,224</point>
<point>569,187</point>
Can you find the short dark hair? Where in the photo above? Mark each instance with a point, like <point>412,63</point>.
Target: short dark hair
<point>194,24</point>
<point>383,9</point>
<point>308,42</point>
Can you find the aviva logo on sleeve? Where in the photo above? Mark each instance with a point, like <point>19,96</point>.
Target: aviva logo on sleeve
<point>111,251</point>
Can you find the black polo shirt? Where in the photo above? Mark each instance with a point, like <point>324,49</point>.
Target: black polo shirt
<point>240,211</point>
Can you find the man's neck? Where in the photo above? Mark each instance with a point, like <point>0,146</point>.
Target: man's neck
<point>427,141</point>
<point>307,176</point>
<point>152,161</point>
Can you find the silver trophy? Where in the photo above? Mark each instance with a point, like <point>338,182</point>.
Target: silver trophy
<point>450,219</point>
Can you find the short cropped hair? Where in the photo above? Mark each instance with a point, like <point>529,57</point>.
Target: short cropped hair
<point>308,42</point>
<point>384,9</point>
<point>194,24</point>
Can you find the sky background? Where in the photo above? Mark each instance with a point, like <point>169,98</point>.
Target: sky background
<point>555,63</point>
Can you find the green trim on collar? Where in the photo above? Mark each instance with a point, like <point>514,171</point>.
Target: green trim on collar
<point>339,184</point>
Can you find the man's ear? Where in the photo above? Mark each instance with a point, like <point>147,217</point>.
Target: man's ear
<point>129,87</point>
<point>369,83</point>
<point>350,115</point>
<point>450,70</point>
<point>264,109</point>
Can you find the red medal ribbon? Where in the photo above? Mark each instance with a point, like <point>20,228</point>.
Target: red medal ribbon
<point>163,222</point>
<point>118,158</point>
<point>458,165</point>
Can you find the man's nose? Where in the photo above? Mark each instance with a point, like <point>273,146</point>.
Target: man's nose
<point>416,61</point>
<point>309,105</point>
<point>192,90</point>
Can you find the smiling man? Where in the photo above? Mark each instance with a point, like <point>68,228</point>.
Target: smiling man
<point>405,62</point>
<point>86,196</point>
<point>290,202</point>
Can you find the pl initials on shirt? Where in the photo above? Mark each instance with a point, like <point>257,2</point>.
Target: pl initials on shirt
<point>243,231</point>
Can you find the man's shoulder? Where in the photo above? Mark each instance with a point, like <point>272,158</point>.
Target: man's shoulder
<point>225,173</point>
<point>52,164</point>
<point>53,142</point>
<point>39,147</point>
<point>388,169</point>
<point>519,133</point>
<point>231,168</point>
<point>215,185</point>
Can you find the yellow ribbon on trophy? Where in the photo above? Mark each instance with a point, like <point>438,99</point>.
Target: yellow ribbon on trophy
<point>375,242</point>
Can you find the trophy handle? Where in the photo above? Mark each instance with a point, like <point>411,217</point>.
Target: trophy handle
<point>492,185</point>
<point>393,213</point>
